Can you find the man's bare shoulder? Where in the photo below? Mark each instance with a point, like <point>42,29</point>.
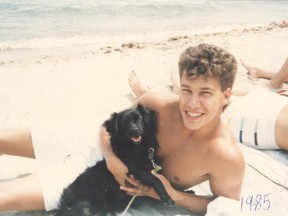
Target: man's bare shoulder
<point>227,167</point>
<point>158,99</point>
<point>226,156</point>
<point>225,151</point>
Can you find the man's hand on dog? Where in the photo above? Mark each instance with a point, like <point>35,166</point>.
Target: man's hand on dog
<point>135,187</point>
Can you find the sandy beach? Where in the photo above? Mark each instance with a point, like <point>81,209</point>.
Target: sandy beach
<point>84,80</point>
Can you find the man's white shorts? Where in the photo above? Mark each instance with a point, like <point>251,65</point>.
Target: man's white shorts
<point>64,148</point>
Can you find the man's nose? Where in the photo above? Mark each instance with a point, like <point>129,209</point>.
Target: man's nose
<point>194,101</point>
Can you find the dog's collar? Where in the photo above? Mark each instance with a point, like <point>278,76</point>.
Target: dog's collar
<point>151,155</point>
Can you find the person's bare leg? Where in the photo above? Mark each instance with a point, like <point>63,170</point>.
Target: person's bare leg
<point>21,194</point>
<point>255,72</point>
<point>240,91</point>
<point>16,142</point>
<point>277,77</point>
<point>281,77</point>
<point>137,87</point>
<point>175,82</point>
<point>281,128</point>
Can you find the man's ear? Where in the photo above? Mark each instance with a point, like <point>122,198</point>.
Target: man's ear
<point>227,94</point>
<point>150,118</point>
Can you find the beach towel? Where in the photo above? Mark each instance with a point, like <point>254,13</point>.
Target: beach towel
<point>265,188</point>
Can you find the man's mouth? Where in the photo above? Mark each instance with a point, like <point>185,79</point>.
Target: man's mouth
<point>194,114</point>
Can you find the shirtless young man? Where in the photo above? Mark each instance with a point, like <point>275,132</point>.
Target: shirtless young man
<point>250,111</point>
<point>195,145</point>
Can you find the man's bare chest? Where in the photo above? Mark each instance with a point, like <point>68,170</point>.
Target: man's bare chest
<point>184,164</point>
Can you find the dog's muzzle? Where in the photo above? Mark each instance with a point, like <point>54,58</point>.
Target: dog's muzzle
<point>137,139</point>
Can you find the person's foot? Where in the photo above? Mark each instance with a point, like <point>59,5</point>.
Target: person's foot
<point>276,86</point>
<point>175,83</point>
<point>251,71</point>
<point>136,86</point>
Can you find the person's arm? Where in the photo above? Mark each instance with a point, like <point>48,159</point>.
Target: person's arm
<point>225,179</point>
<point>227,174</point>
<point>114,164</point>
<point>191,202</point>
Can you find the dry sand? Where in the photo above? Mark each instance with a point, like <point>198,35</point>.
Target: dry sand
<point>40,84</point>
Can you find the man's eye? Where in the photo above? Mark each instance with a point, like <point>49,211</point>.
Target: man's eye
<point>185,90</point>
<point>206,93</point>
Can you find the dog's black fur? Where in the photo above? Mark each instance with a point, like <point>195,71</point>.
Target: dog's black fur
<point>96,192</point>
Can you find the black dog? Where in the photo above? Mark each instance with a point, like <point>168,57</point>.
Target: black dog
<point>96,192</point>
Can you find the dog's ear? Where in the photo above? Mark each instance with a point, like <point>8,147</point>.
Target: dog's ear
<point>144,112</point>
<point>149,116</point>
<point>111,124</point>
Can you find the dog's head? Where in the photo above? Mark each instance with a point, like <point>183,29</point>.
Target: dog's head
<point>131,123</point>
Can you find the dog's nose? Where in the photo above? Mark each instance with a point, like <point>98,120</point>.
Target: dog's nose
<point>137,131</point>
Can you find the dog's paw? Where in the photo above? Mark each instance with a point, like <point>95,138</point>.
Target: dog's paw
<point>169,202</point>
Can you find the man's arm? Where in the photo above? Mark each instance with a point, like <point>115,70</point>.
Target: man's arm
<point>191,202</point>
<point>226,176</point>
<point>114,164</point>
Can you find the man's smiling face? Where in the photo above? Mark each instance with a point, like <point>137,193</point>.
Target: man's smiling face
<point>201,101</point>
